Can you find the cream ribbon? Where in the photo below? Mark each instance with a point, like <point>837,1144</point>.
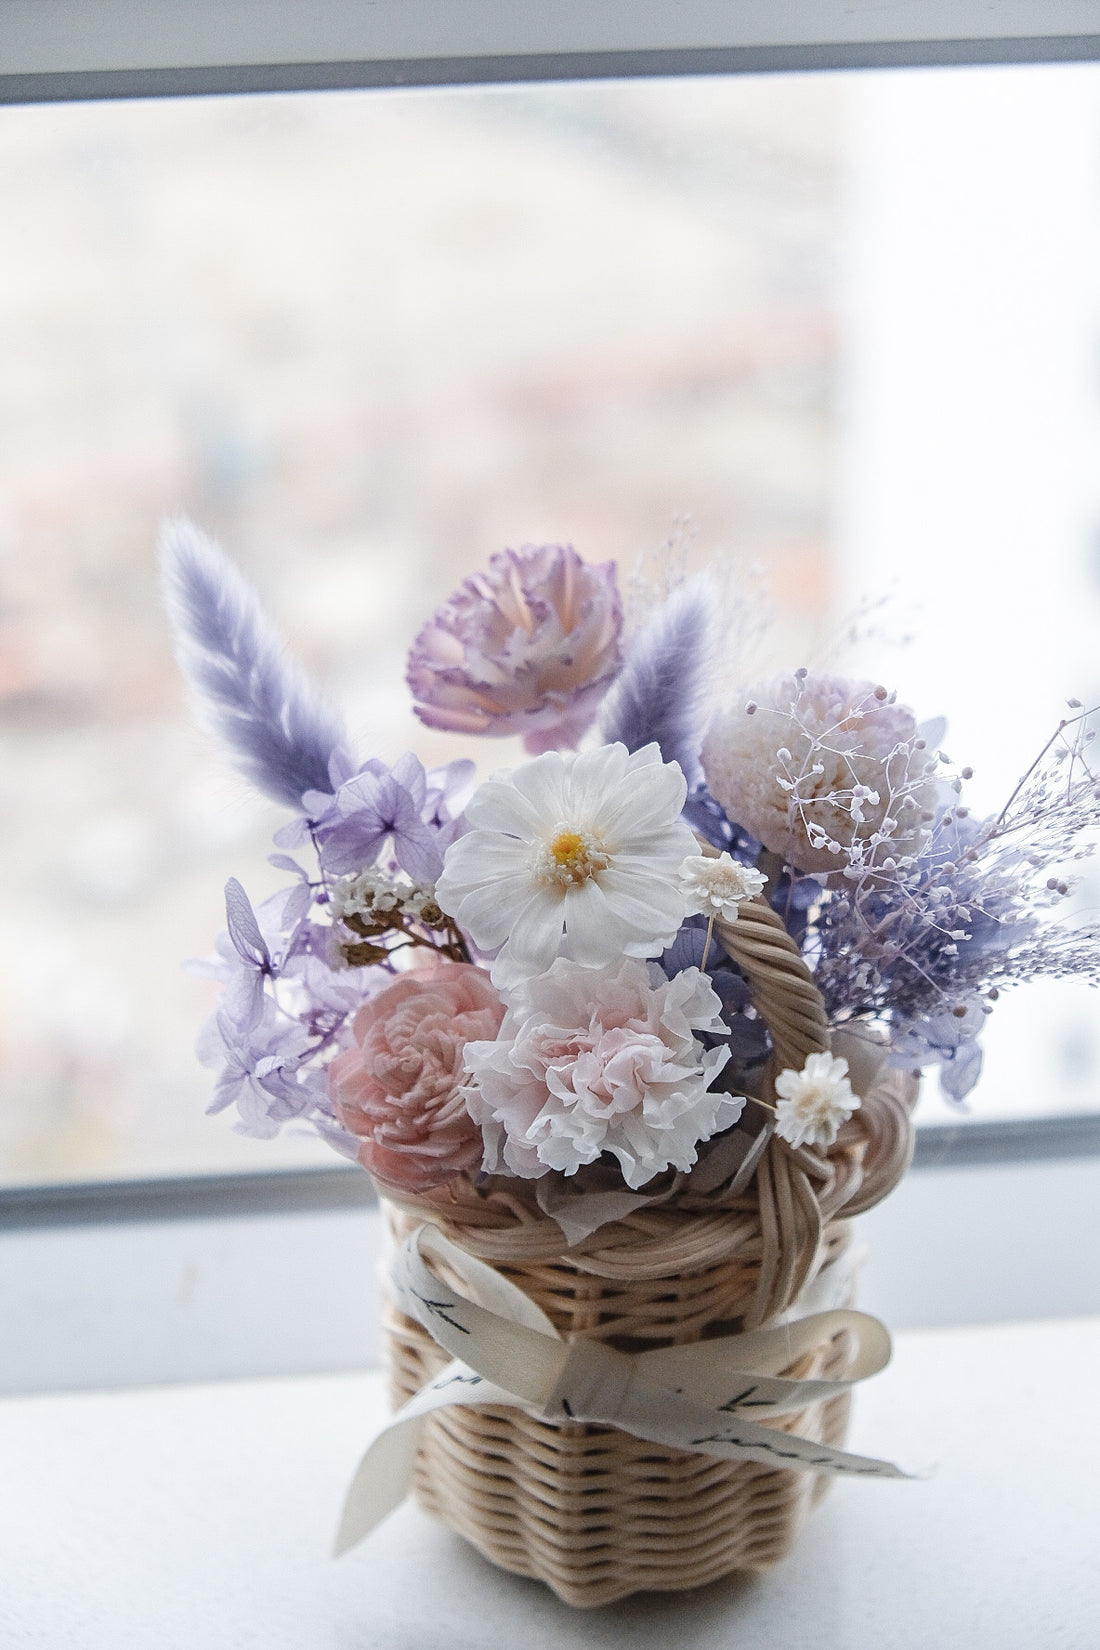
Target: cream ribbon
<point>505,1351</point>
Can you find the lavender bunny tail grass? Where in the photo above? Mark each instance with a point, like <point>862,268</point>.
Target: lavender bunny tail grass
<point>248,691</point>
<point>661,691</point>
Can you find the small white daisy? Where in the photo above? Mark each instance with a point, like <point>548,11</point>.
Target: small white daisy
<point>716,887</point>
<point>814,1102</point>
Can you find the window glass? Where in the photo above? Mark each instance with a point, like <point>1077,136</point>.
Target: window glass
<point>836,332</point>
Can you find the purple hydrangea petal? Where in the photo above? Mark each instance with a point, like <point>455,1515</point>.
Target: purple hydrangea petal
<point>959,1074</point>
<point>244,930</point>
<point>243,999</point>
<point>380,806</point>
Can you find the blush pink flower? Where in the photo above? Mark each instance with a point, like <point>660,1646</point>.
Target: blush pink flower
<point>399,1088</point>
<point>530,647</point>
<point>602,1061</point>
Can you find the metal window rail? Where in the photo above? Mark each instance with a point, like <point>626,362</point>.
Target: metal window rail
<point>53,50</point>
<point>301,1191</point>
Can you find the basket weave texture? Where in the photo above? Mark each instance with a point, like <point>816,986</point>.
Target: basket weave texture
<point>594,1512</point>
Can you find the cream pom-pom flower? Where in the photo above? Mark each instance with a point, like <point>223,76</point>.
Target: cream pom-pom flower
<point>571,856</point>
<point>716,886</point>
<point>821,769</point>
<point>591,1061</point>
<point>814,1102</point>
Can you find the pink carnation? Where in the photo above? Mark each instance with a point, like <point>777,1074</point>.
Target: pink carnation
<point>529,647</point>
<point>399,1087</point>
<point>590,1061</point>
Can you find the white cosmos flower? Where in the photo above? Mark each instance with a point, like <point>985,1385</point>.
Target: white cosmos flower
<point>814,1102</point>
<point>572,856</point>
<point>589,1061</point>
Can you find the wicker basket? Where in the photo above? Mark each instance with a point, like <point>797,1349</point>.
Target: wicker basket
<point>595,1512</point>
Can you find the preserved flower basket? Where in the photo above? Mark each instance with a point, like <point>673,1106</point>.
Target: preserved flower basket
<point>595,1512</point>
<point>626,1034</point>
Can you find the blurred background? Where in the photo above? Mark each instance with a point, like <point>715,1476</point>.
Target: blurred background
<point>839,335</point>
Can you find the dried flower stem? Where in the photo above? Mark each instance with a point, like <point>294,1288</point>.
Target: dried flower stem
<point>706,944</point>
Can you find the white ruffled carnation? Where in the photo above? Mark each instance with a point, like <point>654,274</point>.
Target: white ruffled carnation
<point>820,769</point>
<point>590,1061</point>
<point>814,1102</point>
<point>715,887</point>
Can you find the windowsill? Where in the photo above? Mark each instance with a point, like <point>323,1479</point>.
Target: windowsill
<point>967,1143</point>
<point>199,1516</point>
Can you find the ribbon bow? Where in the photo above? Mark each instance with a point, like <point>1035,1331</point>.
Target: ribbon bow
<point>505,1351</point>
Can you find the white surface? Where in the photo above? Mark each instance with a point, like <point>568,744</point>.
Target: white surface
<point>198,1519</point>
<point>51,36</point>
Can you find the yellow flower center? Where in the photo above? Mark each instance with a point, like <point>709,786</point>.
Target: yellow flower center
<point>571,857</point>
<point>567,847</point>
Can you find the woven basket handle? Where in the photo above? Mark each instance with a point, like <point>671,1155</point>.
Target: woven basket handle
<point>881,1132</point>
<point>783,990</point>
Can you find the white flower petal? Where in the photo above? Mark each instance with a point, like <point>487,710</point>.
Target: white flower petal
<point>593,925</point>
<point>487,913</point>
<point>533,940</point>
<point>661,838</point>
<point>498,806</point>
<point>651,799</point>
<point>644,901</point>
<point>542,783</point>
<point>599,833</point>
<point>466,860</point>
<point>595,775</point>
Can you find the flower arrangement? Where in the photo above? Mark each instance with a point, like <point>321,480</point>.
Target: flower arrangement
<point>519,975</point>
<point>528,984</point>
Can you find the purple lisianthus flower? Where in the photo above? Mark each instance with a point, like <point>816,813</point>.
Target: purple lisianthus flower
<point>530,647</point>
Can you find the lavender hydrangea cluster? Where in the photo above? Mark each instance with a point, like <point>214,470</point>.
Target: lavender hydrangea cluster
<point>296,972</point>
<point>521,974</point>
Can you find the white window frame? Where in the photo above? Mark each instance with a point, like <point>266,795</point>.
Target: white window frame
<point>67,50</point>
